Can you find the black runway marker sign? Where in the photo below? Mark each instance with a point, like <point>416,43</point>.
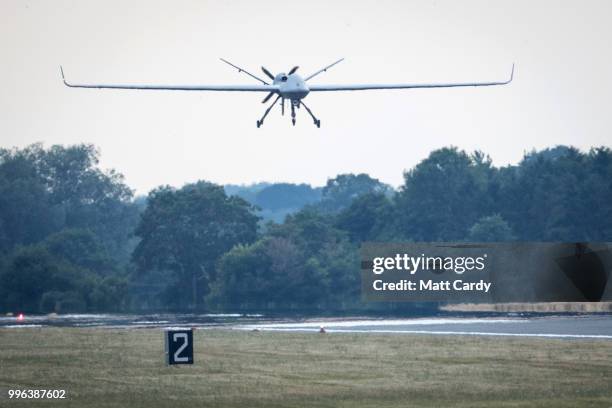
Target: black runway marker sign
<point>178,346</point>
<point>486,272</point>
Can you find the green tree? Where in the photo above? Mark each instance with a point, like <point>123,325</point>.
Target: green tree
<point>26,212</point>
<point>304,264</point>
<point>491,229</point>
<point>443,196</point>
<point>33,271</point>
<point>90,198</point>
<point>82,248</point>
<point>278,200</point>
<point>340,191</point>
<point>110,294</point>
<point>368,218</point>
<point>309,229</point>
<point>266,275</point>
<point>185,231</point>
<point>272,274</point>
<point>46,190</point>
<point>558,194</point>
<point>285,195</point>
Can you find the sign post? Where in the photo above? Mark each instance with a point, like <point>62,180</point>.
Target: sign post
<point>178,346</point>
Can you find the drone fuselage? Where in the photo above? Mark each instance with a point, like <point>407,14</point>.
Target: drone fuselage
<point>288,86</point>
<point>291,86</point>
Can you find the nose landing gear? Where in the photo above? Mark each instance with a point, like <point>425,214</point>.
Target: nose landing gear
<point>294,103</point>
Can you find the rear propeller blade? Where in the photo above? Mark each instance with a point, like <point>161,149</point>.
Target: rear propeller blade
<point>293,70</point>
<point>267,73</point>
<point>267,98</point>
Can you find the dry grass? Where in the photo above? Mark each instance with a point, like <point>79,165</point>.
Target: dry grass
<point>547,307</point>
<point>101,368</point>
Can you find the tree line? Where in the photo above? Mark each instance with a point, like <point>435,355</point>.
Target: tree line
<point>74,238</point>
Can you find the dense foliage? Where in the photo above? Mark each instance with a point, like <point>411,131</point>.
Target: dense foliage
<point>65,231</point>
<point>184,232</point>
<point>73,238</point>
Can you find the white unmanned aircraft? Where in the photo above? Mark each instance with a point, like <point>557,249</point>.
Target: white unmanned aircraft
<point>285,86</point>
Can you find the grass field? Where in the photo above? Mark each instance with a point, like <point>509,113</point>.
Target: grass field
<point>103,367</point>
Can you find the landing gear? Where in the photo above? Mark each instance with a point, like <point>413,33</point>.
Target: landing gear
<point>261,121</point>
<point>295,104</point>
<point>317,122</point>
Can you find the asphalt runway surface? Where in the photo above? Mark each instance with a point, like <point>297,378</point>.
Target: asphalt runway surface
<point>592,326</point>
<point>571,327</point>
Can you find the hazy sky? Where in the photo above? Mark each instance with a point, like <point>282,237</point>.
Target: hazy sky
<point>560,94</point>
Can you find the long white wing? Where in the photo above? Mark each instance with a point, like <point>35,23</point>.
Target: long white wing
<point>364,87</point>
<point>230,88</point>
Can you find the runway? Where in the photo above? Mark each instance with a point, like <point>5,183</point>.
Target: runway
<point>569,327</point>
<point>594,326</point>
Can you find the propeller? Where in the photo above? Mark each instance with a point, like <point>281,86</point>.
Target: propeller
<point>267,73</point>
